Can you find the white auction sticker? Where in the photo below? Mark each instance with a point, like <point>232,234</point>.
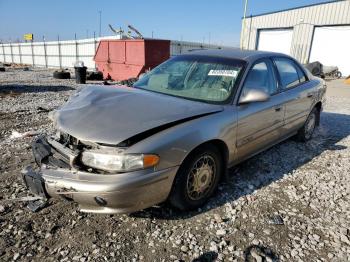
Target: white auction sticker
<point>232,73</point>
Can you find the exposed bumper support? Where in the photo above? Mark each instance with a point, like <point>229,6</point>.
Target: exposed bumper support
<point>34,182</point>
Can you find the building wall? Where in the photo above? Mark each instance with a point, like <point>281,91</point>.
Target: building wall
<point>64,54</point>
<point>302,20</point>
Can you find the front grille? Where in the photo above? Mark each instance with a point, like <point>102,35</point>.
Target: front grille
<point>62,151</point>
<point>73,143</point>
<point>68,140</point>
<point>44,153</point>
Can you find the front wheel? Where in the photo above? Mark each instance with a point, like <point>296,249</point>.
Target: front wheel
<point>197,178</point>
<point>306,132</point>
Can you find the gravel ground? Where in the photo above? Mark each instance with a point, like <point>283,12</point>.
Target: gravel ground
<point>305,186</point>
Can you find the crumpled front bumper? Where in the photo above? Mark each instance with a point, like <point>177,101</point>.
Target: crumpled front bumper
<point>101,193</point>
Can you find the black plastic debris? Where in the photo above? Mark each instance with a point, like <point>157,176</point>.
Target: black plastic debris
<point>37,205</point>
<point>42,109</point>
<point>275,220</point>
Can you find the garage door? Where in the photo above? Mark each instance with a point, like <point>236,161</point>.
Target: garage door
<point>331,46</point>
<point>277,40</point>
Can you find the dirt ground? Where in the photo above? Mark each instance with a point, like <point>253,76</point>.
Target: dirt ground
<point>305,186</point>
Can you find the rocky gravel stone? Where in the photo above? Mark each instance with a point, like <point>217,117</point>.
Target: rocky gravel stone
<point>221,232</point>
<point>306,184</point>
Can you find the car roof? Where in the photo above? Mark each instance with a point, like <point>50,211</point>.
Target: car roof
<point>234,53</point>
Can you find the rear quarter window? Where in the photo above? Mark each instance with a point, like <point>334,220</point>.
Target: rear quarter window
<point>302,76</point>
<point>290,74</point>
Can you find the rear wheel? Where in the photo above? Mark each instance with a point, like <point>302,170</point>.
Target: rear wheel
<point>306,132</point>
<point>61,75</point>
<point>197,178</point>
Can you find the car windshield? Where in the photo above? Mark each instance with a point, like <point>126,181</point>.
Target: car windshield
<point>208,79</point>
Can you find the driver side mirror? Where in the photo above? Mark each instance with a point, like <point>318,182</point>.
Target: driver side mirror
<point>254,95</point>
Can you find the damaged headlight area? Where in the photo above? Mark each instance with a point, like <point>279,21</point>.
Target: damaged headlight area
<point>112,162</point>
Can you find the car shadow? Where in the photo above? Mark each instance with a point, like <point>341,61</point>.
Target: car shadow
<point>265,253</point>
<point>13,90</point>
<point>261,170</point>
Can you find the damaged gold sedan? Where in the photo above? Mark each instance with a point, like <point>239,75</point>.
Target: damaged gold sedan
<point>173,135</point>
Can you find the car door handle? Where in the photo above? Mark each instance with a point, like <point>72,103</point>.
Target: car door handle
<point>310,95</point>
<point>278,108</point>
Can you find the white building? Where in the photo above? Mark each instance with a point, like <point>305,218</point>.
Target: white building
<point>318,32</point>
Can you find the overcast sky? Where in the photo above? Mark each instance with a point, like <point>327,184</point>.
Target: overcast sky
<point>192,20</point>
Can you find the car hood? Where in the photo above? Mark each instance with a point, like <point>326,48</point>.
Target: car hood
<point>111,115</point>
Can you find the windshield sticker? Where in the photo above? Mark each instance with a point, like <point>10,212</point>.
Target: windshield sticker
<point>231,73</point>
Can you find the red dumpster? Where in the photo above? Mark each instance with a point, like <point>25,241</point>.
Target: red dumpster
<point>123,59</point>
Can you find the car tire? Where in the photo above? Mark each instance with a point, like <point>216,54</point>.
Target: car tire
<point>338,74</point>
<point>204,166</point>
<point>98,76</point>
<point>61,75</point>
<point>305,133</point>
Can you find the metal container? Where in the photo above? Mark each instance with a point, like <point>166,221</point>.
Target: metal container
<point>124,59</point>
<point>80,72</point>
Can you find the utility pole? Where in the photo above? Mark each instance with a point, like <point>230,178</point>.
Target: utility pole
<point>244,22</point>
<point>100,13</point>
<point>245,9</point>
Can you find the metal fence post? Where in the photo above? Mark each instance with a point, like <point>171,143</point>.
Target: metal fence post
<point>95,42</point>
<point>3,52</point>
<point>59,51</point>
<point>45,53</point>
<point>20,53</point>
<point>95,46</point>
<point>32,47</point>
<point>76,48</point>
<point>11,52</point>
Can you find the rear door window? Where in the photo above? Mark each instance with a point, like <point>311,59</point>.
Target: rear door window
<point>290,75</point>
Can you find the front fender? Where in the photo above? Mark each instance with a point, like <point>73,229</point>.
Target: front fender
<point>174,144</point>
